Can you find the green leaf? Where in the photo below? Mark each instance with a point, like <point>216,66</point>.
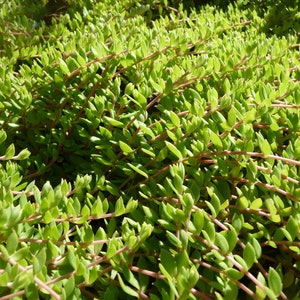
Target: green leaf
<point>274,282</point>
<point>269,203</point>
<point>148,152</point>
<point>173,239</point>
<point>172,135</point>
<point>231,291</point>
<point>184,283</point>
<point>265,148</point>
<point>31,291</point>
<point>259,291</point>
<point>171,280</point>
<point>129,88</point>
<point>250,116</point>
<point>174,150</point>
<point>231,117</point>
<point>112,292</point>
<point>214,201</point>
<point>221,242</point>
<point>93,275</point>
<point>187,202</point>
<point>119,208</point>
<point>88,235</point>
<point>3,136</point>
<point>256,246</point>
<point>101,160</point>
<point>71,257</point>
<point>158,87</point>
<point>125,148</point>
<point>235,274</point>
<point>114,122</point>
<point>146,130</point>
<point>69,287</point>
<point>175,119</point>
<point>212,96</point>
<point>131,205</point>
<point>140,98</point>
<point>232,238</point>
<point>271,295</point>
<point>292,227</point>
<point>12,242</point>
<point>256,204</point>
<point>20,254</point>
<point>169,262</point>
<point>10,152</point>
<point>216,140</point>
<point>64,67</point>
<point>279,232</point>
<point>4,280</point>
<point>209,229</point>
<point>126,288</point>
<point>150,213</point>
<point>130,277</point>
<point>111,248</point>
<point>145,231</point>
<point>85,211</point>
<point>21,280</point>
<point>169,86</point>
<point>198,220</point>
<point>243,202</point>
<point>249,255</point>
<point>242,262</point>
<point>97,208</point>
<point>112,188</point>
<point>24,154</point>
<point>139,169</point>
<point>218,256</point>
<point>211,208</point>
<point>163,153</point>
<point>39,261</point>
<point>81,270</point>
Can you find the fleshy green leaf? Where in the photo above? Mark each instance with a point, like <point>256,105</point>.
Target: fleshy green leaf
<point>174,150</point>
<point>249,255</point>
<point>12,242</point>
<point>173,239</point>
<point>126,288</point>
<point>292,227</point>
<point>125,148</point>
<point>10,152</point>
<point>274,281</point>
<point>64,67</point>
<point>139,169</point>
<point>221,242</point>
<point>216,140</point>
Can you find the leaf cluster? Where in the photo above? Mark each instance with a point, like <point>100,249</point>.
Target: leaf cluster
<point>148,156</point>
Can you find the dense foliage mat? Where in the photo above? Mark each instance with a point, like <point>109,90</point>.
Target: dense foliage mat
<point>149,150</point>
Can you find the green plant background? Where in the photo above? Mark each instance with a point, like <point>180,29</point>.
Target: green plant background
<point>149,149</point>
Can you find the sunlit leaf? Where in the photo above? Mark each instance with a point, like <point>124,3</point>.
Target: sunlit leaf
<point>174,150</point>
<point>274,281</point>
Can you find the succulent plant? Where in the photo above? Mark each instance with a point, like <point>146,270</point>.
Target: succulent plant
<point>149,151</point>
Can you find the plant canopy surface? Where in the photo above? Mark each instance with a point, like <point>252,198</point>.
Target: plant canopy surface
<point>149,150</point>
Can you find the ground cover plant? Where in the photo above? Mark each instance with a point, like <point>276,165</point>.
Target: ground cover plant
<point>149,150</point>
